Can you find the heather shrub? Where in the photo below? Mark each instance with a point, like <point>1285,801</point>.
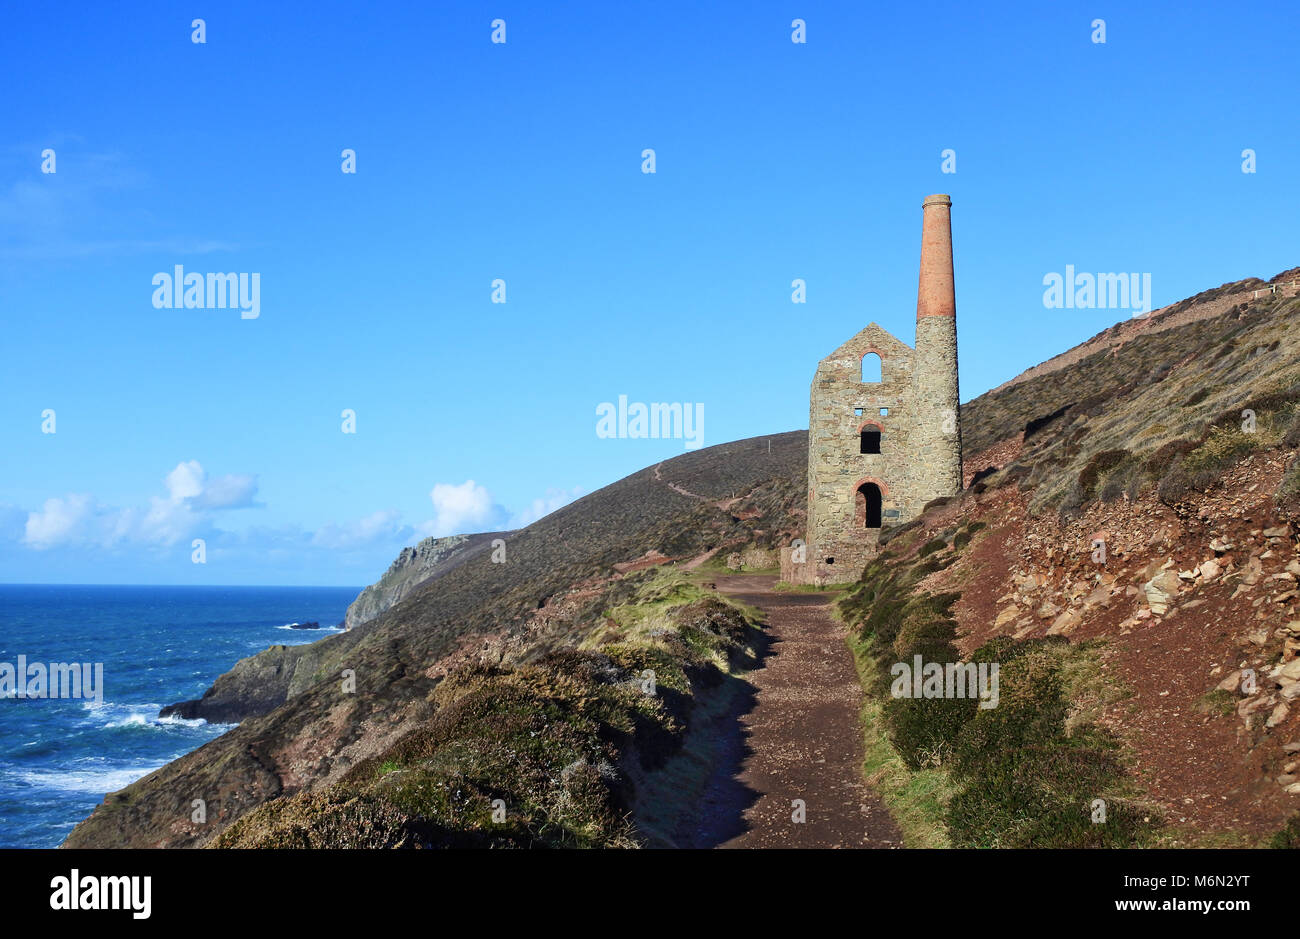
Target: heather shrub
<point>938,544</point>
<point>1289,836</point>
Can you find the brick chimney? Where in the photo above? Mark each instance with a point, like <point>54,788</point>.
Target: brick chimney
<point>935,443</point>
<point>934,295</point>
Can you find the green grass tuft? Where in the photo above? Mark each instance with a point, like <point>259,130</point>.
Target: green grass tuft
<point>1028,772</point>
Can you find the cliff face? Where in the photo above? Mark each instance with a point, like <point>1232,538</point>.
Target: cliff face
<point>424,561</point>
<point>262,682</point>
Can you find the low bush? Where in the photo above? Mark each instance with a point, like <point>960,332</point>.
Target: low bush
<point>1289,836</point>
<point>1100,464</point>
<point>1223,447</point>
<point>923,730</point>
<point>1025,774</point>
<point>1291,438</point>
<point>1027,781</point>
<point>1288,491</point>
<point>1159,462</point>
<point>938,544</point>
<point>1175,485</point>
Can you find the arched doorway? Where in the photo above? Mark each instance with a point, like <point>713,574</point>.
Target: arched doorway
<point>868,505</point>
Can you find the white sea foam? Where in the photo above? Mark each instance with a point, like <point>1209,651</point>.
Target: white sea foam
<point>131,720</point>
<point>174,721</point>
<point>96,780</point>
<point>110,712</point>
<point>116,716</point>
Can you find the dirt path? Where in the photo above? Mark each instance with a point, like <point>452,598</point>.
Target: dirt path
<point>801,739</point>
<point>723,504</point>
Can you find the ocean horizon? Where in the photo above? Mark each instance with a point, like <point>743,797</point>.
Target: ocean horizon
<point>154,645</point>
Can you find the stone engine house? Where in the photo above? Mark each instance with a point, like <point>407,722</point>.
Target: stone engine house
<point>883,432</point>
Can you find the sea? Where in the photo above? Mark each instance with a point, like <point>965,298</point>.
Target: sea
<point>156,645</point>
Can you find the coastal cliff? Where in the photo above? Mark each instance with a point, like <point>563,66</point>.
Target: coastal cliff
<point>260,683</point>
<point>415,565</point>
<point>317,715</point>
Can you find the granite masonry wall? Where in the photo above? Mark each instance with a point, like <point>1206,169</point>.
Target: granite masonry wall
<point>914,406</point>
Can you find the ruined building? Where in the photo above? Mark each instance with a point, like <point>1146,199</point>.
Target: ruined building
<point>883,434</point>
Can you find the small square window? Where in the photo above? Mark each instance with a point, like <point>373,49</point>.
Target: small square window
<point>884,412</point>
<point>857,412</point>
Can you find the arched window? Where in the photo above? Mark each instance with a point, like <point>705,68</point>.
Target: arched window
<point>868,499</point>
<point>870,439</point>
<point>871,368</point>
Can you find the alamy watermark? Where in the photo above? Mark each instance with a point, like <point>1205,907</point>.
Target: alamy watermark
<point>1083,291</point>
<point>195,291</point>
<point>946,680</point>
<point>81,680</point>
<point>680,421</point>
<point>103,892</point>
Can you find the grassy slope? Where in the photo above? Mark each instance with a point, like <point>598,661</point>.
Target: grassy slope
<point>917,799</point>
<point>565,751</point>
<point>1125,413</point>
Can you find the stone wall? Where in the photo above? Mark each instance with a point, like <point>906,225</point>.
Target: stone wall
<point>920,448</point>
<point>838,544</point>
<point>935,453</point>
<point>751,559</point>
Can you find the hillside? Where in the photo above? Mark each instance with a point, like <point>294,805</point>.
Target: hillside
<point>1205,305</point>
<point>301,732</point>
<point>517,681</point>
<point>1128,553</point>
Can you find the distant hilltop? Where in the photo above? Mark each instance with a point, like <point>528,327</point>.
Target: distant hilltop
<point>430,558</point>
<point>1205,305</point>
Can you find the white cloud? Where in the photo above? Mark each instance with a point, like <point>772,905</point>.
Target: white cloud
<point>233,491</point>
<point>470,507</point>
<point>186,481</point>
<point>62,216</point>
<point>467,507</point>
<point>377,527</point>
<point>190,504</point>
<point>59,521</point>
<point>554,499</point>
<point>189,482</point>
<point>182,513</point>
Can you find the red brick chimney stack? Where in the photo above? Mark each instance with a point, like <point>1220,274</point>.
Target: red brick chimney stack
<point>934,295</point>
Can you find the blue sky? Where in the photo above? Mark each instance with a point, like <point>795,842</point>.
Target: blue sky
<point>522,161</point>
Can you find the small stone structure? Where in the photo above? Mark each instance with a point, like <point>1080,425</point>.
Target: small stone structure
<point>883,444</point>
